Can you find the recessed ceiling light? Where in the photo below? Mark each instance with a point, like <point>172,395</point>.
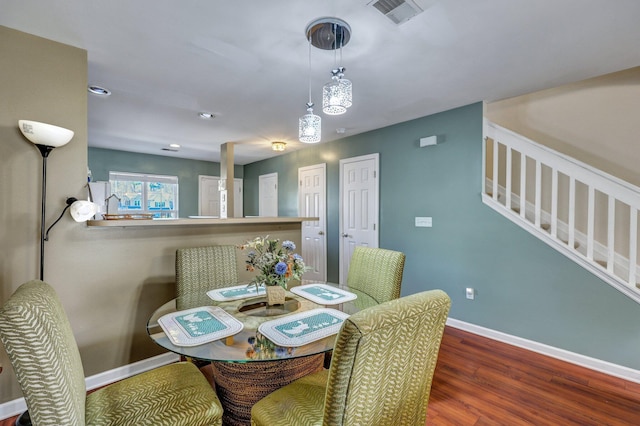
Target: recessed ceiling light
<point>206,115</point>
<point>174,145</point>
<point>97,90</point>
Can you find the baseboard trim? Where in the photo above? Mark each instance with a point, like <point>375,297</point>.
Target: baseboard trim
<point>17,406</point>
<point>605,367</point>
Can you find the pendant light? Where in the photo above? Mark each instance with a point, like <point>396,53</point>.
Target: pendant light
<point>309,126</point>
<point>337,94</point>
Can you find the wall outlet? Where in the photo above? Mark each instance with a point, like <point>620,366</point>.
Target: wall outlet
<point>471,293</point>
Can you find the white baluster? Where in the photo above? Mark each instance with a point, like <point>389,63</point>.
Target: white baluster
<point>538,180</point>
<point>591,208</point>
<point>611,227</point>
<point>633,245</point>
<point>572,213</point>
<point>523,184</point>
<point>554,203</point>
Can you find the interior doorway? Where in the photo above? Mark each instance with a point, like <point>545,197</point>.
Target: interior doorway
<point>268,195</point>
<point>312,183</point>
<point>359,206</point>
<point>209,196</point>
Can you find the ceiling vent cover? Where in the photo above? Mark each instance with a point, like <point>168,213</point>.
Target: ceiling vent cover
<point>399,11</point>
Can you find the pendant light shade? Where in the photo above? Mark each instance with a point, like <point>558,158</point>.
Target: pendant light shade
<point>337,94</point>
<point>310,126</point>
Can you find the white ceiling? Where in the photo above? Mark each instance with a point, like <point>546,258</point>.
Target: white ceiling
<point>247,62</point>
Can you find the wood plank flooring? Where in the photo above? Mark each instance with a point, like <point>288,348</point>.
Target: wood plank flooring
<point>483,382</point>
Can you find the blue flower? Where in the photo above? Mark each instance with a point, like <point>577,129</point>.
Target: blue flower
<point>297,257</point>
<point>281,268</point>
<point>288,245</point>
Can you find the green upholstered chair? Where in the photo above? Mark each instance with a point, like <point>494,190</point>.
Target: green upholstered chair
<point>200,269</point>
<point>38,338</point>
<point>381,373</point>
<point>377,272</point>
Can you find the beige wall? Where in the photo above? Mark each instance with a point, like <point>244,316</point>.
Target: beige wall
<point>595,121</point>
<point>41,81</point>
<point>109,280</point>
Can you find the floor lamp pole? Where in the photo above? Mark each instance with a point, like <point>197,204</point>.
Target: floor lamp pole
<point>44,150</point>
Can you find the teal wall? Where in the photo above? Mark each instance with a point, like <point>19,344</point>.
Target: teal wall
<point>524,287</point>
<point>102,161</point>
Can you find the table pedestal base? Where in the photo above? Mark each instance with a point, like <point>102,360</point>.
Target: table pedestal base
<point>240,385</point>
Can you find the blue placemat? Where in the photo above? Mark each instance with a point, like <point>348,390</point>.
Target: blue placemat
<point>236,292</point>
<point>200,323</point>
<point>323,294</point>
<point>196,326</point>
<point>303,328</point>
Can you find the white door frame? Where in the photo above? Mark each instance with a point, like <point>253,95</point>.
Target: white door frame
<point>376,207</point>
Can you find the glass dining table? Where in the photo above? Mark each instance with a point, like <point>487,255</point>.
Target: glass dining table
<point>248,365</point>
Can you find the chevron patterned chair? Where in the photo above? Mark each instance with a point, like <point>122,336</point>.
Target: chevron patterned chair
<point>37,336</point>
<point>200,269</point>
<point>381,374</point>
<point>377,272</point>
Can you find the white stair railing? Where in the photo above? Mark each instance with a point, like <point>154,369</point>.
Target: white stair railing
<point>586,214</point>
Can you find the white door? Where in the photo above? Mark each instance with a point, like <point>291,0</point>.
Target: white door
<point>268,195</point>
<point>238,203</point>
<point>312,203</point>
<point>358,207</point>
<point>208,196</point>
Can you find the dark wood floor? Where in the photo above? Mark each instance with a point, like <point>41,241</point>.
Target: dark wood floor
<point>482,382</point>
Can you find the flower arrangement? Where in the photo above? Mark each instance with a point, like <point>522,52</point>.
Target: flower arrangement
<point>276,263</point>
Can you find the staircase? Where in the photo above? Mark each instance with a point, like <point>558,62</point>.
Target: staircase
<point>586,214</point>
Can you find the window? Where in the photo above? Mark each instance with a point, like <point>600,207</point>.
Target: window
<point>146,194</point>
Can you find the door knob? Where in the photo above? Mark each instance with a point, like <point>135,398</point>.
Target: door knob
<point>320,232</point>
<point>345,235</point>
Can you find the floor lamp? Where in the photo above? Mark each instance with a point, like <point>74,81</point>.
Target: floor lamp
<point>46,137</point>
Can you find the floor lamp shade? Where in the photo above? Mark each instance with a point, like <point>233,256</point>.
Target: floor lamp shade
<point>46,137</point>
<point>45,134</point>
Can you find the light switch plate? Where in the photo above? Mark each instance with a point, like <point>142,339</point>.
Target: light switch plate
<point>424,222</point>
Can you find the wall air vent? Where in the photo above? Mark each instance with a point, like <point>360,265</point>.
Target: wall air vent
<point>399,11</point>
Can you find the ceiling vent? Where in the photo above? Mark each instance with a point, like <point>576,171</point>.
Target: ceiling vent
<point>399,11</point>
